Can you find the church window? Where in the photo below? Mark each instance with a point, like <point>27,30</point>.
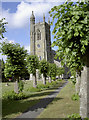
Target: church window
<point>38,45</point>
<point>38,34</point>
<point>40,57</point>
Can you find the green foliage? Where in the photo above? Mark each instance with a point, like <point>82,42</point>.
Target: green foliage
<point>33,89</point>
<point>52,70</point>
<point>42,86</point>
<point>75,115</point>
<point>2,27</point>
<point>32,63</point>
<point>60,71</point>
<point>21,85</point>
<point>44,68</point>
<point>11,95</point>
<point>71,32</point>
<point>16,63</point>
<point>75,97</point>
<point>3,67</point>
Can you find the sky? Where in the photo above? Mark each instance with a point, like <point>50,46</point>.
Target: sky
<point>17,14</point>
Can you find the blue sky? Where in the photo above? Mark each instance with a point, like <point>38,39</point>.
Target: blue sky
<point>18,14</point>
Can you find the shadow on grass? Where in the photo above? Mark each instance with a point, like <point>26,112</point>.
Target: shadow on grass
<point>15,107</point>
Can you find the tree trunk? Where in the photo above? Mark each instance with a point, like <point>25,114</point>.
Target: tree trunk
<point>84,89</point>
<point>34,81</point>
<point>16,89</point>
<point>37,74</point>
<point>77,85</point>
<point>44,80</point>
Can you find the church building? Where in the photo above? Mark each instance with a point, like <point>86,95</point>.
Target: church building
<point>40,42</point>
<point>40,39</point>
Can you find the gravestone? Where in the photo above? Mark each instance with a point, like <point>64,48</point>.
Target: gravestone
<point>31,76</point>
<point>77,85</point>
<point>49,79</point>
<point>16,90</point>
<point>43,79</point>
<point>84,89</point>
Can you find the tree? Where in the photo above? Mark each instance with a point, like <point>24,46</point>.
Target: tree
<point>3,67</point>
<point>2,27</point>
<point>15,64</point>
<point>32,65</point>
<point>60,71</point>
<point>52,70</point>
<point>44,68</point>
<point>71,32</point>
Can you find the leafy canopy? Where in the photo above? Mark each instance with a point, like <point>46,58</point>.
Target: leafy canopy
<point>44,67</point>
<point>52,70</point>
<point>15,64</point>
<point>32,64</point>
<point>71,32</point>
<point>2,27</point>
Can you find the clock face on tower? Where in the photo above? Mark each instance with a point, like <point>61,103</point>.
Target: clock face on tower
<point>38,45</point>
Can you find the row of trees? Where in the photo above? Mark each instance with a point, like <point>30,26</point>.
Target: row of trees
<point>19,64</point>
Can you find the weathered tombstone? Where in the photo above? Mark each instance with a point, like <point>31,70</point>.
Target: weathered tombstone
<point>43,79</point>
<point>31,76</point>
<point>6,84</point>
<point>16,87</point>
<point>49,79</point>
<point>77,85</point>
<point>84,89</point>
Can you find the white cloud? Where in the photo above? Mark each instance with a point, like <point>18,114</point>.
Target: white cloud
<point>24,10</point>
<point>27,48</point>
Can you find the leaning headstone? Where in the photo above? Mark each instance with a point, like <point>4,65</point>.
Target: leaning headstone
<point>16,87</point>
<point>77,85</point>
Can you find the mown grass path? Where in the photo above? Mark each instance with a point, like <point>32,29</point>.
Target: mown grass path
<point>62,105</point>
<point>35,110</point>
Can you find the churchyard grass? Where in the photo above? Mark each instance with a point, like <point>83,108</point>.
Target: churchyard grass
<point>11,109</point>
<point>62,105</point>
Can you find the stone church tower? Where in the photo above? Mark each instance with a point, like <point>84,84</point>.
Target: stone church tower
<point>40,39</point>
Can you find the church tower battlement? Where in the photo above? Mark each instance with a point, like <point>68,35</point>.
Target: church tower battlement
<point>40,39</point>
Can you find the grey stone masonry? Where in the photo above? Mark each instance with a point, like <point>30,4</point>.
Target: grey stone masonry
<point>40,39</point>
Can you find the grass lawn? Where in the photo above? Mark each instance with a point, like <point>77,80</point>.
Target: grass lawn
<point>11,109</point>
<point>62,105</point>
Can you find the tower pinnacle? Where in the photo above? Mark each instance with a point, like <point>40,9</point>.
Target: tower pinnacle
<point>43,17</point>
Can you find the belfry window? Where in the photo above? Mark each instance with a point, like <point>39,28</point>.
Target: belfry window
<point>38,34</point>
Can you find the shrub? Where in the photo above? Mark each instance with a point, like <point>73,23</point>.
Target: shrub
<point>21,85</point>
<point>42,86</point>
<point>75,115</point>
<point>11,95</point>
<point>75,97</point>
<point>32,89</point>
